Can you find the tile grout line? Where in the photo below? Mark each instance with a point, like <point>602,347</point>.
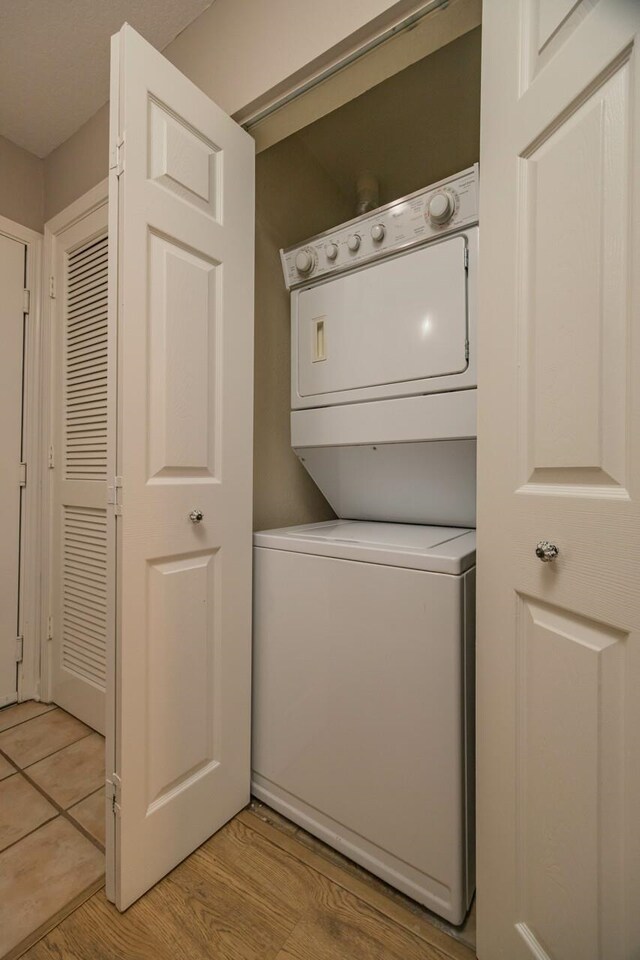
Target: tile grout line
<point>50,708</point>
<point>46,756</point>
<point>61,810</point>
<point>29,832</point>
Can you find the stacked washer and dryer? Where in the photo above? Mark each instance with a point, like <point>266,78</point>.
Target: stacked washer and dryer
<point>363,726</point>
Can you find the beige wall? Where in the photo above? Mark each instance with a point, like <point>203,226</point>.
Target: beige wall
<point>21,186</point>
<point>294,199</point>
<point>237,51</point>
<point>78,164</point>
<point>242,52</point>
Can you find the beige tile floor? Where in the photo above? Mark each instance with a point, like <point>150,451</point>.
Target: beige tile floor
<point>51,820</point>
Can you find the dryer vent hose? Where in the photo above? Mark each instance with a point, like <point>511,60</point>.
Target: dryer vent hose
<point>367,193</point>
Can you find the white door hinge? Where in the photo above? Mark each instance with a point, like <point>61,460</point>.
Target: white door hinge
<point>19,649</point>
<point>51,461</point>
<point>52,287</point>
<point>26,302</point>
<point>49,627</point>
<point>23,474</point>
<point>113,789</point>
<point>114,495</point>
<point>117,157</point>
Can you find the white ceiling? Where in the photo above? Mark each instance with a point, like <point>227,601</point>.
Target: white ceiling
<point>54,60</point>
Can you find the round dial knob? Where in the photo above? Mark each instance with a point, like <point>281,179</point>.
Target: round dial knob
<point>377,232</point>
<point>305,260</point>
<point>331,251</point>
<point>441,207</point>
<point>354,242</point>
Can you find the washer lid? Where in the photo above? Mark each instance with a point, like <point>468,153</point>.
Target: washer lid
<point>438,549</point>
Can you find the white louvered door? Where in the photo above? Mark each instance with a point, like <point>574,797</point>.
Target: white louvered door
<point>79,554</point>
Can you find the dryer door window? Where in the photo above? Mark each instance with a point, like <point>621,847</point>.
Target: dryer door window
<point>396,322</point>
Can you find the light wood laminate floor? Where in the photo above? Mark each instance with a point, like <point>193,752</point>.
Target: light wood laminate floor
<point>254,891</point>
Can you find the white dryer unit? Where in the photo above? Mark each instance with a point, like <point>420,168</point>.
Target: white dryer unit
<point>383,361</point>
<point>363,697</point>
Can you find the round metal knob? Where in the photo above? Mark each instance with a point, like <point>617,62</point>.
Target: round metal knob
<point>546,551</point>
<point>196,516</point>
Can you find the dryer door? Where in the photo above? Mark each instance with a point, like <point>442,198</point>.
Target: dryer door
<point>400,322</point>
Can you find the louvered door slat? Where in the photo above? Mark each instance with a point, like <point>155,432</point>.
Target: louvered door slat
<point>84,582</point>
<point>85,362</point>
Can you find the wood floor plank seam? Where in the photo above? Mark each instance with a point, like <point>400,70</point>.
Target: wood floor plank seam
<point>433,936</point>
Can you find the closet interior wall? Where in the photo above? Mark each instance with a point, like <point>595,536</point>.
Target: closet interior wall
<point>414,128</point>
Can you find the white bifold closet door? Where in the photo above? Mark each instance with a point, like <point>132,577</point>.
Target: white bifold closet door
<point>558,655</point>
<point>79,461</point>
<point>181,205</point>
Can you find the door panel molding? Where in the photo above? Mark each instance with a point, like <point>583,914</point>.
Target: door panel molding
<point>571,740</point>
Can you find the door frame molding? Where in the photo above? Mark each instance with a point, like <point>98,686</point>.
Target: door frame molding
<point>85,205</point>
<point>30,565</point>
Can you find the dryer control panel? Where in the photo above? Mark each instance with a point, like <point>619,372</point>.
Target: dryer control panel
<point>432,212</point>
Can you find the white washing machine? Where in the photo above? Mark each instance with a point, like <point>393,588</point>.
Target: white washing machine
<point>363,703</point>
<point>364,626</point>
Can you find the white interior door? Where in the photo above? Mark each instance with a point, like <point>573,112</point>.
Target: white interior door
<point>79,474</point>
<point>12,274</point>
<point>182,229</point>
<point>559,460</point>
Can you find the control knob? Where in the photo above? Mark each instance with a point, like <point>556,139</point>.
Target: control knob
<point>354,242</point>
<point>331,251</point>
<point>305,260</point>
<point>441,207</point>
<point>377,232</point>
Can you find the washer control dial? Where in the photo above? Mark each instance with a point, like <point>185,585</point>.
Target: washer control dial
<point>377,232</point>
<point>354,242</point>
<point>441,207</point>
<point>331,251</point>
<point>306,260</point>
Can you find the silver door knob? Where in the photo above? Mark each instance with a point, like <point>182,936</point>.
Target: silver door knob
<point>546,551</point>
<point>196,516</point>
